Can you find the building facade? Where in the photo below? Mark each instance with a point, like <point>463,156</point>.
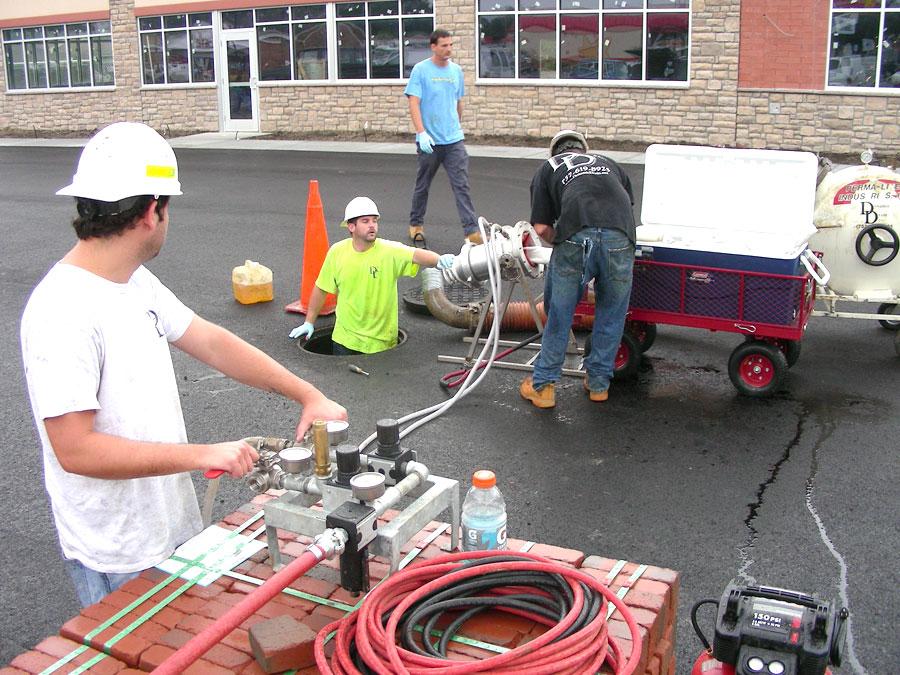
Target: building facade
<point>794,74</point>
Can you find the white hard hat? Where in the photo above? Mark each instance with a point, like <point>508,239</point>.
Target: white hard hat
<point>125,159</point>
<point>360,206</point>
<point>567,134</point>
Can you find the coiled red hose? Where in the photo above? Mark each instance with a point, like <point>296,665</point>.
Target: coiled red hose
<point>557,651</point>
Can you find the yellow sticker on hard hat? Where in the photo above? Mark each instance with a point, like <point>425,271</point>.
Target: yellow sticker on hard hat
<point>157,171</point>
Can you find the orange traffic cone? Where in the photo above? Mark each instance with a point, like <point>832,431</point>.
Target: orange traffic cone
<point>315,246</point>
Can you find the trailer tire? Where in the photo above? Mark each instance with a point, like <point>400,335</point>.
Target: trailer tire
<point>628,356</point>
<point>790,348</point>
<point>757,369</point>
<point>643,332</point>
<point>889,308</point>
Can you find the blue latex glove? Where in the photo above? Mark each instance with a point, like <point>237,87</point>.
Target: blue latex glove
<point>305,330</point>
<point>425,142</point>
<point>445,262</point>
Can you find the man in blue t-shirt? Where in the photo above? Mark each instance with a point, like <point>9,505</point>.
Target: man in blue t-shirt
<point>435,92</point>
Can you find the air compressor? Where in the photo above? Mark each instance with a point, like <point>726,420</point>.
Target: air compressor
<point>762,630</point>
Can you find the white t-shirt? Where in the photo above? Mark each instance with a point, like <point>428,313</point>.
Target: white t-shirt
<point>91,344</point>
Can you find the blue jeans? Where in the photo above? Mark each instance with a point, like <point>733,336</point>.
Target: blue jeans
<point>91,586</point>
<point>456,163</point>
<point>607,257</point>
<point>337,349</point>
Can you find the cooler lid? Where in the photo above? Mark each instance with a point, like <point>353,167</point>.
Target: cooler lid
<point>765,191</point>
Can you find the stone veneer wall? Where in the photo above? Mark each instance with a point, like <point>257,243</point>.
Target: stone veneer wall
<point>711,111</point>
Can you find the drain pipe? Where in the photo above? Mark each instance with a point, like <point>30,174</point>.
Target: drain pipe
<point>326,545</point>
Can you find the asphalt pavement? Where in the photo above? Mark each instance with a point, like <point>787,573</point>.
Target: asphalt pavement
<point>676,469</point>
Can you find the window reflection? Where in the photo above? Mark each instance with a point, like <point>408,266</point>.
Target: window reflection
<point>622,49</point>
<point>578,46</point>
<point>537,46</point>
<point>497,51</point>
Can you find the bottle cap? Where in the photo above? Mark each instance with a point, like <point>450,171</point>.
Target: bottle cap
<point>484,479</point>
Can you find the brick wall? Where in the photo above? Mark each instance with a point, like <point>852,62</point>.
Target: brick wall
<point>783,44</point>
<point>713,110</point>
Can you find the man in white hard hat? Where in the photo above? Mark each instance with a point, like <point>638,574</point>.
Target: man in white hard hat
<point>363,271</point>
<point>95,343</point>
<point>582,204</point>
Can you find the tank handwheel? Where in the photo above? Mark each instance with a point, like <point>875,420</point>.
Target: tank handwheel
<point>790,348</point>
<point>870,235</point>
<point>889,308</point>
<point>628,356</point>
<point>757,368</point>
<point>643,332</point>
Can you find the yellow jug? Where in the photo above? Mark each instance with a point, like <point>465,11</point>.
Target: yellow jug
<point>251,283</point>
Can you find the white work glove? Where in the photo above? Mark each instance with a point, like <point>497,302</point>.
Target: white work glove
<point>425,142</point>
<point>445,262</point>
<point>306,330</point>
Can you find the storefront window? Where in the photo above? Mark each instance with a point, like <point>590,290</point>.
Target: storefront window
<point>177,48</point>
<point>864,49</point>
<point>59,56</point>
<point>593,40</point>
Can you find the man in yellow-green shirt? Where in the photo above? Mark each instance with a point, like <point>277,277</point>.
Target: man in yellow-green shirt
<point>362,272</point>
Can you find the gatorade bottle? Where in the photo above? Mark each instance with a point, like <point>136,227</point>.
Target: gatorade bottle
<point>483,514</point>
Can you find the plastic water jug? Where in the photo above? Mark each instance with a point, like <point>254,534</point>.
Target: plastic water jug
<point>251,283</point>
<point>483,514</point>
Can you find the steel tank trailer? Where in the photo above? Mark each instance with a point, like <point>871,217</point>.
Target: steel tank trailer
<point>857,219</point>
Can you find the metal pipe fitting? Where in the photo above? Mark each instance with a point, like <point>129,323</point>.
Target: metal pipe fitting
<point>416,474</point>
<point>321,446</point>
<point>329,543</point>
<point>306,484</point>
<point>440,306</point>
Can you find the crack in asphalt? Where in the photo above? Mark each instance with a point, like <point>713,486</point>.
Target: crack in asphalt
<point>825,424</point>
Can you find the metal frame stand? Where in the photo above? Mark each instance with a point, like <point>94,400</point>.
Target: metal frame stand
<point>292,512</point>
<point>571,365</point>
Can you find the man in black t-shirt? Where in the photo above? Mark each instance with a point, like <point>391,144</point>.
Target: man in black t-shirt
<point>582,204</point>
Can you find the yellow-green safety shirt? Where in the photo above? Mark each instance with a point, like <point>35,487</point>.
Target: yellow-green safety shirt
<point>366,288</point>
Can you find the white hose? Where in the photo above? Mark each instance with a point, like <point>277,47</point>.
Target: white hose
<point>491,345</point>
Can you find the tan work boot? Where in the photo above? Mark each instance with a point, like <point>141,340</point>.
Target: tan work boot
<point>475,238</point>
<point>545,397</point>
<point>596,396</point>
<point>417,235</point>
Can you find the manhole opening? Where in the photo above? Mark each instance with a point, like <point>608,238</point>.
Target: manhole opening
<point>320,341</point>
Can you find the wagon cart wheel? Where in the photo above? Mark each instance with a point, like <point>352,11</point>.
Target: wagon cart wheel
<point>643,332</point>
<point>790,348</point>
<point>628,357</point>
<point>889,308</point>
<point>757,368</point>
<point>870,235</point>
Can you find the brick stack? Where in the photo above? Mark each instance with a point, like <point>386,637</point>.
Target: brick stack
<point>149,632</point>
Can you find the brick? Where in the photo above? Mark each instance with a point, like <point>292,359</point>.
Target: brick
<point>204,667</point>
<point>168,617</point>
<point>227,657</point>
<point>9,670</point>
<point>150,631</point>
<point>175,638</point>
<point>59,647</point>
<point>187,603</point>
<point>239,639</point>
<point>76,628</point>
<point>100,611</point>
<point>138,586</point>
<point>155,655</point>
<point>127,648</point>
<point>33,662</point>
<point>282,643</point>
<point>564,555</point>
<point>205,592</point>
<point>316,587</point>
<point>496,628</point>
<point>194,623</point>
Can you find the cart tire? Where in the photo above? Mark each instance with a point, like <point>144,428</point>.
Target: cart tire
<point>643,332</point>
<point>889,308</point>
<point>757,368</point>
<point>790,348</point>
<point>628,357</point>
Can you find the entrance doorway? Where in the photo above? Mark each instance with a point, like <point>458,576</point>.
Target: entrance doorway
<point>240,91</point>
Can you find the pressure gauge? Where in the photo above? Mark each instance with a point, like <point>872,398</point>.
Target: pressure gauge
<point>367,486</point>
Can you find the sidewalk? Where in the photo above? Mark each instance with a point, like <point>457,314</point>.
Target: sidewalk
<point>252,141</point>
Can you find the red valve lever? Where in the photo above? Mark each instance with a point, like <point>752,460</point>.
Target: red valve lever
<point>214,473</point>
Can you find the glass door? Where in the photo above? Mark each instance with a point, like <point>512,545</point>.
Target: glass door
<point>239,91</point>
